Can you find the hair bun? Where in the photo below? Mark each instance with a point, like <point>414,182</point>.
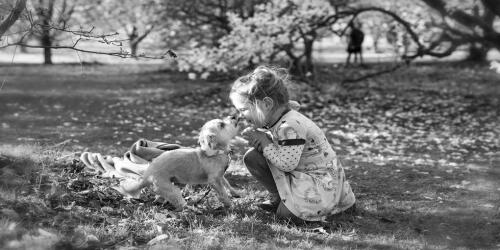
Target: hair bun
<point>270,74</point>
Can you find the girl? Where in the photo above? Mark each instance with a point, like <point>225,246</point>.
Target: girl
<point>291,156</point>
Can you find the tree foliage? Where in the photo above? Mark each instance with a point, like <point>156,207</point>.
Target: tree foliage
<point>466,22</point>
<point>278,31</point>
<point>205,21</point>
<point>227,35</point>
<point>385,27</point>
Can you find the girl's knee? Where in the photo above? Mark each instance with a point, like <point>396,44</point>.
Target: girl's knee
<point>254,159</point>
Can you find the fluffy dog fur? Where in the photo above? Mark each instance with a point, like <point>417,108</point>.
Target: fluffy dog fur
<point>202,165</point>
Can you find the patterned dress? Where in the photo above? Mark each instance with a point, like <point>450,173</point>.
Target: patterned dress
<point>310,179</point>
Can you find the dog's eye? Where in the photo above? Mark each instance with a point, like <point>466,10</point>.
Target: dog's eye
<point>222,124</point>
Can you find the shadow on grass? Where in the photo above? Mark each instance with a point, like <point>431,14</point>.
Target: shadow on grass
<point>452,228</point>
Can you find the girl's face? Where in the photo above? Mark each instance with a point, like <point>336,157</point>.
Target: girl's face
<point>252,112</point>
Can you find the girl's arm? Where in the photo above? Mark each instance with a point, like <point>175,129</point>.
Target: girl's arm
<point>285,154</point>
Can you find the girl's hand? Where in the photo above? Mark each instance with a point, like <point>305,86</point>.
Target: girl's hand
<point>257,139</point>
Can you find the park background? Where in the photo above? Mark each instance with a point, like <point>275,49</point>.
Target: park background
<point>417,124</point>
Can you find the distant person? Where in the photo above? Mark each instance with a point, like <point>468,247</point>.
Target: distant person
<point>355,43</point>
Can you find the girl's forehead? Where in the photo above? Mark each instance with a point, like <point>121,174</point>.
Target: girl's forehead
<point>240,101</point>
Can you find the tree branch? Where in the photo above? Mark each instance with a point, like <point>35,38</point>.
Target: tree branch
<point>122,53</point>
<point>13,16</point>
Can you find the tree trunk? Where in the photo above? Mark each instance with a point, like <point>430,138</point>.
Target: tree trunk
<point>308,50</point>
<point>47,51</point>
<point>297,67</point>
<point>133,42</point>
<point>134,45</point>
<point>46,41</point>
<point>303,66</point>
<point>477,53</point>
<point>46,37</point>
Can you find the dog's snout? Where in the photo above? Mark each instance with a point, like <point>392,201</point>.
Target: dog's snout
<point>234,119</point>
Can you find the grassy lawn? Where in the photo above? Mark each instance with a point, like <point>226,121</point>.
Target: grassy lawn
<point>421,148</point>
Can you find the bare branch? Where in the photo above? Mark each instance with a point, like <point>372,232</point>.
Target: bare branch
<point>13,16</point>
<point>122,53</point>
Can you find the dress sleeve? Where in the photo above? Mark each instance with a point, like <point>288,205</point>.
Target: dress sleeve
<point>287,148</point>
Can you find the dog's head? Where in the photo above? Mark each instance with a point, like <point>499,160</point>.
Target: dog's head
<point>216,134</point>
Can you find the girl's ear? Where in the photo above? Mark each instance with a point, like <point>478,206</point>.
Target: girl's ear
<point>268,102</point>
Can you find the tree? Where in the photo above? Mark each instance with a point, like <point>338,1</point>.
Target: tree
<point>53,17</point>
<point>137,19</point>
<point>469,23</point>
<point>450,25</point>
<point>381,25</point>
<point>278,30</point>
<point>206,21</point>
<point>51,20</point>
<point>12,17</point>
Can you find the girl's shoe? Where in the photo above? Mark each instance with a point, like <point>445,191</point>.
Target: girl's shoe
<point>271,204</point>
<point>351,211</point>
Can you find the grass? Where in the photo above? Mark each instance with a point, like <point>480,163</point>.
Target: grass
<point>420,146</point>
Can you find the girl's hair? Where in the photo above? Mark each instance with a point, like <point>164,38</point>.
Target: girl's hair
<point>264,81</point>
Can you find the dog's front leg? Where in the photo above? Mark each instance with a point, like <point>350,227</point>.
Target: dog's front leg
<point>221,192</point>
<point>234,192</point>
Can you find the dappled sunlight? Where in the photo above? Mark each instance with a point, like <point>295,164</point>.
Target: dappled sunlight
<point>414,123</point>
<point>423,165</point>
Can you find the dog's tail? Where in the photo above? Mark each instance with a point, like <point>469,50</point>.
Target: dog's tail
<point>131,188</point>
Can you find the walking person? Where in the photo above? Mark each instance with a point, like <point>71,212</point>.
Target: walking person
<point>355,42</point>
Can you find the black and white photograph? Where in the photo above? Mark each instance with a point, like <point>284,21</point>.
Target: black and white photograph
<point>249,124</point>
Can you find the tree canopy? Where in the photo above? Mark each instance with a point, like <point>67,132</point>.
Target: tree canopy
<point>227,35</point>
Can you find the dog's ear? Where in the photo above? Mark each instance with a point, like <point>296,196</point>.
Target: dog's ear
<point>208,141</point>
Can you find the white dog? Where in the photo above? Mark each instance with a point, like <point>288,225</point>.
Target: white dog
<point>202,165</point>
